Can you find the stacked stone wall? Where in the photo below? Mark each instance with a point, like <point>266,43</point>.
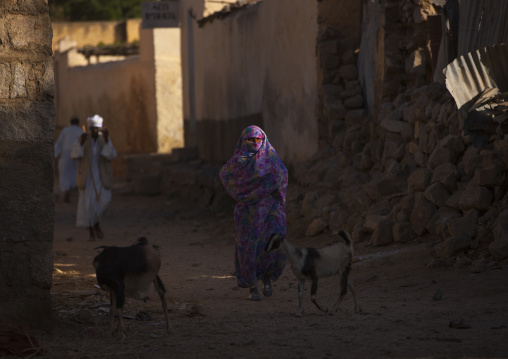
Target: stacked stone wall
<point>27,125</point>
<point>406,171</point>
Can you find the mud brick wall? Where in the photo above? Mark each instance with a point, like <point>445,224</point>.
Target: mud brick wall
<point>27,116</point>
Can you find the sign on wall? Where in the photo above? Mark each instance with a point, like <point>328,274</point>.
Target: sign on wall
<point>159,13</point>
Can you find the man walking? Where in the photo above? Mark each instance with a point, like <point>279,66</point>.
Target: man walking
<point>94,152</point>
<point>67,168</point>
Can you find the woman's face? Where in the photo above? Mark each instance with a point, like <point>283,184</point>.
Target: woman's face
<point>254,142</point>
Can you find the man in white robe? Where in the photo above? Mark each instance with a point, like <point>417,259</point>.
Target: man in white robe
<point>67,168</point>
<point>94,151</point>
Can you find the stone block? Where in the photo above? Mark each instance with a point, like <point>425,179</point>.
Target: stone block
<point>308,204</point>
<point>380,188</point>
<point>452,246</point>
<point>355,117</point>
<point>454,143</point>
<point>348,72</point>
<point>353,138</point>
<point>350,92</point>
<point>293,216</point>
<point>454,199</point>
<point>329,47</point>
<point>423,212</point>
<point>476,197</point>
<point>435,112</point>
<point>332,92</point>
<point>472,160</point>
<point>500,229</point>
<point>336,110</point>
<point>499,248</point>
<point>330,62</point>
<point>395,172</point>
<point>406,204</point>
<point>463,226</point>
<point>348,57</point>
<point>383,234</point>
<point>438,224</point>
<point>393,150</point>
<point>443,172</point>
<point>436,194</point>
<point>25,31</point>
<point>419,179</point>
<point>400,127</point>
<point>403,232</point>
<point>354,102</point>
<point>491,176</point>
<point>5,80</point>
<point>441,156</point>
<point>371,222</point>
<point>337,220</point>
<point>316,227</point>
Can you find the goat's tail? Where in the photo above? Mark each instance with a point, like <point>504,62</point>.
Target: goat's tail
<point>347,238</point>
<point>160,285</point>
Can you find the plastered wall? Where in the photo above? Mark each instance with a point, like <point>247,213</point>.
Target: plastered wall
<point>139,97</point>
<point>255,66</point>
<point>27,116</point>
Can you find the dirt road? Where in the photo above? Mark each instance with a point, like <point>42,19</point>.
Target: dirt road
<point>409,310</point>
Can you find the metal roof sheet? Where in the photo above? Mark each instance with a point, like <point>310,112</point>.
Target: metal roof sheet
<point>470,74</point>
<point>440,3</point>
<point>482,23</point>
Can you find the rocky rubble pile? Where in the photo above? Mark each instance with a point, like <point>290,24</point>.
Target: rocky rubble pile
<point>409,173</point>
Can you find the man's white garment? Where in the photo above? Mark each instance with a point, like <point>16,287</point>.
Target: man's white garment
<point>67,167</point>
<point>91,208</point>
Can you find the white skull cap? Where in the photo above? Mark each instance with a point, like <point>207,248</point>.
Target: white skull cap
<point>94,121</point>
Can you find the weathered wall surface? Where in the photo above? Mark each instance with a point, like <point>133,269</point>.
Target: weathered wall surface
<point>94,32</point>
<point>139,98</point>
<point>395,51</point>
<point>255,66</point>
<point>26,164</point>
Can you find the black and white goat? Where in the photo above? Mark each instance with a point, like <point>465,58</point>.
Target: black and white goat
<point>312,264</point>
<point>129,271</point>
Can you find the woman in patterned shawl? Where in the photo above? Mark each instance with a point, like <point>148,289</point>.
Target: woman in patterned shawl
<point>257,179</point>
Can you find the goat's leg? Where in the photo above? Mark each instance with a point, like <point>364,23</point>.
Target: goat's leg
<point>120,335</point>
<point>301,290</point>
<point>112,312</point>
<point>353,291</point>
<point>161,290</point>
<point>313,291</point>
<point>343,285</point>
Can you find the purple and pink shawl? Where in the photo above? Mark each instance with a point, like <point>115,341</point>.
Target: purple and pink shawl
<point>257,179</point>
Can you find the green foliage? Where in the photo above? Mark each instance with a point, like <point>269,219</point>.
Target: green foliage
<point>94,10</point>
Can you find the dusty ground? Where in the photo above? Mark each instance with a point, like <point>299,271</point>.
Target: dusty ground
<point>212,318</point>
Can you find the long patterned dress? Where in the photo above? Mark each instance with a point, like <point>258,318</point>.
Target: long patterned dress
<point>257,179</point>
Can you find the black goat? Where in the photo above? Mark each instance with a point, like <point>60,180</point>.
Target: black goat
<point>129,271</point>
<point>312,264</point>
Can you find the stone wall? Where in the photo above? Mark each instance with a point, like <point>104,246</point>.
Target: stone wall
<point>27,125</point>
<point>405,171</point>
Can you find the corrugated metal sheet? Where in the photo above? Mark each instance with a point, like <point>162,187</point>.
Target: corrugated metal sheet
<point>482,23</point>
<point>438,2</point>
<point>469,75</point>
